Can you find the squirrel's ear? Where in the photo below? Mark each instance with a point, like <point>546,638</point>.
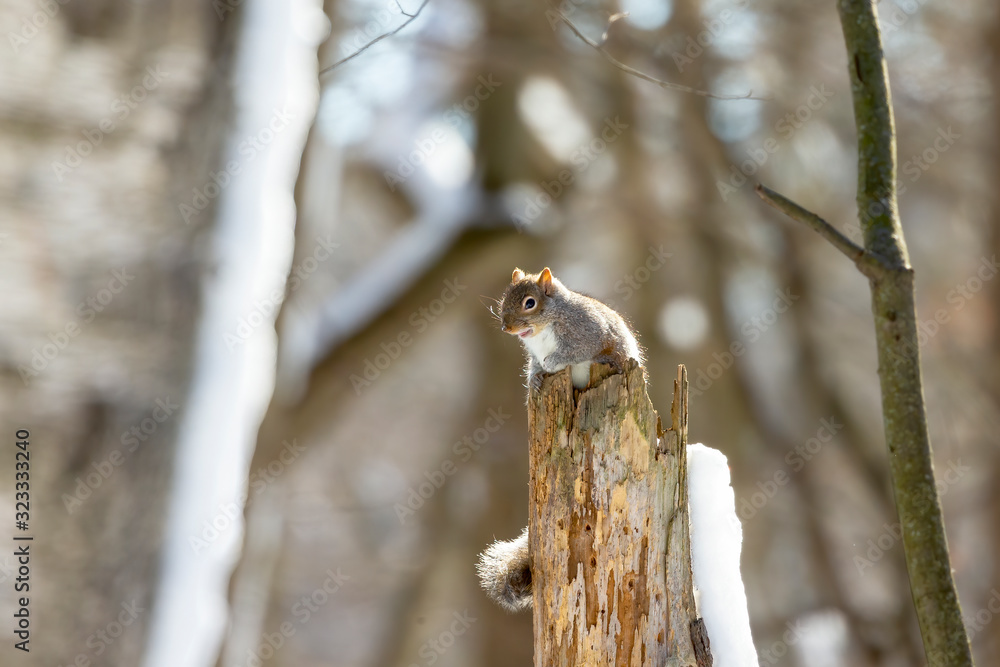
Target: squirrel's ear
<point>517,275</point>
<point>545,280</point>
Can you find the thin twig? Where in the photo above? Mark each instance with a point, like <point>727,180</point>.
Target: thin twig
<point>378,39</point>
<point>866,261</point>
<point>404,12</point>
<point>642,75</point>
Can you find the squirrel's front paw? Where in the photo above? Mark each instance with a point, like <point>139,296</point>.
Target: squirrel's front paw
<point>535,382</point>
<point>545,366</point>
<point>554,366</point>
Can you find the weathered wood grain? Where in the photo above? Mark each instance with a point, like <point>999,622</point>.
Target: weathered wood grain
<point>609,524</point>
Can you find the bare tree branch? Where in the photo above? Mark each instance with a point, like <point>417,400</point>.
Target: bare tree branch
<point>599,47</point>
<point>405,13</point>
<point>868,263</point>
<point>378,39</point>
<point>925,544</point>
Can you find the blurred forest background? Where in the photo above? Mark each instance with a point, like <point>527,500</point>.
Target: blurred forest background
<point>229,279</point>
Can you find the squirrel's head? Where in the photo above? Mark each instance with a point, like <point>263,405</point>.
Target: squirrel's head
<point>524,301</point>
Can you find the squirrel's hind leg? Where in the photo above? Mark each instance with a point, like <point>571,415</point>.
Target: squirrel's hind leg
<point>612,357</point>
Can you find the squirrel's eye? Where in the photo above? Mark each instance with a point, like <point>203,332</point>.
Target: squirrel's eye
<point>529,303</point>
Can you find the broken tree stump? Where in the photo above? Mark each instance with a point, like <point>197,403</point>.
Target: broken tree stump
<point>609,537</point>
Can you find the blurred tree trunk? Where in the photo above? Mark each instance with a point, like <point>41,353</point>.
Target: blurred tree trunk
<point>111,113</point>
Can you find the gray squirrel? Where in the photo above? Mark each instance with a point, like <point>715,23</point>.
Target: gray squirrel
<point>559,328</point>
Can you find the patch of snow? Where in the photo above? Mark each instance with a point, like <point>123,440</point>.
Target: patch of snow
<point>716,540</point>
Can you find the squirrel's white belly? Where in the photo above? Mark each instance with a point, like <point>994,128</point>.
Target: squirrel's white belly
<point>542,344</point>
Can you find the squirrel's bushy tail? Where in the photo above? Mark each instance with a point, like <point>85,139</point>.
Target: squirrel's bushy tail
<point>505,573</point>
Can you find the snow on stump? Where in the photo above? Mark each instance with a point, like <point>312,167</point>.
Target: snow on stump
<point>610,548</point>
